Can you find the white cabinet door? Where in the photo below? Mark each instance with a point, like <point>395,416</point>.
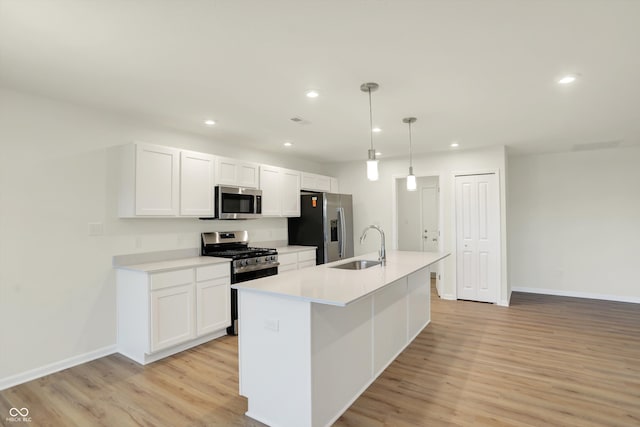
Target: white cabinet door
<point>309,181</point>
<point>290,193</point>
<point>236,173</point>
<point>196,183</point>
<point>156,180</point>
<point>270,186</point>
<point>213,305</point>
<point>280,191</point>
<point>172,316</point>
<point>313,182</point>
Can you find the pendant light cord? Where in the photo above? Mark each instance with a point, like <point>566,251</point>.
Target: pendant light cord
<point>370,119</point>
<point>410,148</point>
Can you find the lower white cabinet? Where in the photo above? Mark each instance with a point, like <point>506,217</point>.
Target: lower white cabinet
<point>214,305</point>
<point>163,313</point>
<point>172,315</point>
<point>296,260</point>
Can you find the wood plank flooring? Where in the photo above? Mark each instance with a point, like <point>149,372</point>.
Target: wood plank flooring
<point>544,361</point>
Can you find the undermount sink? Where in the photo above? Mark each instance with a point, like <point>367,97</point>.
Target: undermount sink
<point>360,264</point>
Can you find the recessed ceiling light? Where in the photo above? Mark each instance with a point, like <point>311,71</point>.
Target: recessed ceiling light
<point>454,144</point>
<point>378,153</point>
<point>569,78</point>
<point>209,122</point>
<point>287,144</point>
<point>376,129</point>
<point>312,94</point>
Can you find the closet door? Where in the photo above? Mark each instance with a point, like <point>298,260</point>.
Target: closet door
<point>478,237</point>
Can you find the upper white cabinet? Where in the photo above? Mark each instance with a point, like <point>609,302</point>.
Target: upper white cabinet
<point>280,191</point>
<point>196,183</point>
<point>236,173</point>
<point>149,180</point>
<point>313,182</point>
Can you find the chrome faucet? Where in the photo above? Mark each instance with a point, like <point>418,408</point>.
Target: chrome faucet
<point>383,252</point>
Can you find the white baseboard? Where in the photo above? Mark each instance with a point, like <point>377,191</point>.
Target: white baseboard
<point>576,294</point>
<point>55,367</point>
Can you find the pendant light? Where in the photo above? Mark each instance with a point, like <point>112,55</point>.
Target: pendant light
<point>411,178</point>
<point>372,162</point>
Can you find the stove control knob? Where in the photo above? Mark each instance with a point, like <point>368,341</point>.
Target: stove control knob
<point>243,262</point>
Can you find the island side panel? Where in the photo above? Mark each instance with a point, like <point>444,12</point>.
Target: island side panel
<point>275,358</point>
<point>342,361</point>
<point>418,302</point>
<point>389,324</point>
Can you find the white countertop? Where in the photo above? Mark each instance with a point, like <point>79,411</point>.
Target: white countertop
<point>174,264</point>
<point>324,285</point>
<point>293,248</point>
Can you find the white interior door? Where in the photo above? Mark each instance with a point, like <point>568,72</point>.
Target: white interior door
<point>430,231</point>
<point>477,237</point>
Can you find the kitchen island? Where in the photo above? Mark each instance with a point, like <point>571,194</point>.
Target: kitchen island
<point>311,341</point>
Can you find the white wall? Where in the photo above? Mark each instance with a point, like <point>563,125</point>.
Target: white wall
<point>574,223</point>
<point>57,290</point>
<point>372,201</point>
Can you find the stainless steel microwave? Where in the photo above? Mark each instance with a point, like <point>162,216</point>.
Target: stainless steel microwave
<point>237,203</point>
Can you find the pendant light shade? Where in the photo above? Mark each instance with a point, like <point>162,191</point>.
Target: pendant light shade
<point>372,162</point>
<point>411,181</point>
<point>411,178</point>
<point>372,166</point>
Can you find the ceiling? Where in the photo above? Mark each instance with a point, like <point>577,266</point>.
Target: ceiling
<point>482,73</point>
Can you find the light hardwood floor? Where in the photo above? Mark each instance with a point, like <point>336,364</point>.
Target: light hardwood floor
<point>544,361</point>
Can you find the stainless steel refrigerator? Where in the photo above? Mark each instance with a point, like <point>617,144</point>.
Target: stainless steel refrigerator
<point>326,221</point>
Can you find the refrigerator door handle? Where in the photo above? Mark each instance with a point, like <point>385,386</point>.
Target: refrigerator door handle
<point>343,232</point>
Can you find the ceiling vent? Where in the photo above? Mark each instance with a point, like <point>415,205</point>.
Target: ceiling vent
<point>299,120</point>
<point>591,146</point>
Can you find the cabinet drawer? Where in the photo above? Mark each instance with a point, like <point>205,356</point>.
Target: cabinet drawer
<point>305,264</point>
<point>285,259</point>
<point>171,278</point>
<point>212,271</point>
<point>307,256</point>
<point>287,267</point>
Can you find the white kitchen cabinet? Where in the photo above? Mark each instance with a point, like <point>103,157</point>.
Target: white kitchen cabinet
<point>296,260</point>
<point>280,191</point>
<point>163,313</point>
<point>172,316</point>
<point>287,262</point>
<point>314,182</point>
<point>236,173</point>
<point>196,184</point>
<point>290,193</point>
<point>149,180</point>
<point>213,296</point>
<point>306,259</point>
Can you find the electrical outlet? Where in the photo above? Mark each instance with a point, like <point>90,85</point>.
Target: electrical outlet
<point>272,325</point>
<point>96,229</point>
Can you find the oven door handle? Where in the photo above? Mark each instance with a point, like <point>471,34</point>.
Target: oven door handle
<point>256,267</point>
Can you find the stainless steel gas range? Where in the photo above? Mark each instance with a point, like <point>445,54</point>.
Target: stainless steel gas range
<point>247,263</point>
